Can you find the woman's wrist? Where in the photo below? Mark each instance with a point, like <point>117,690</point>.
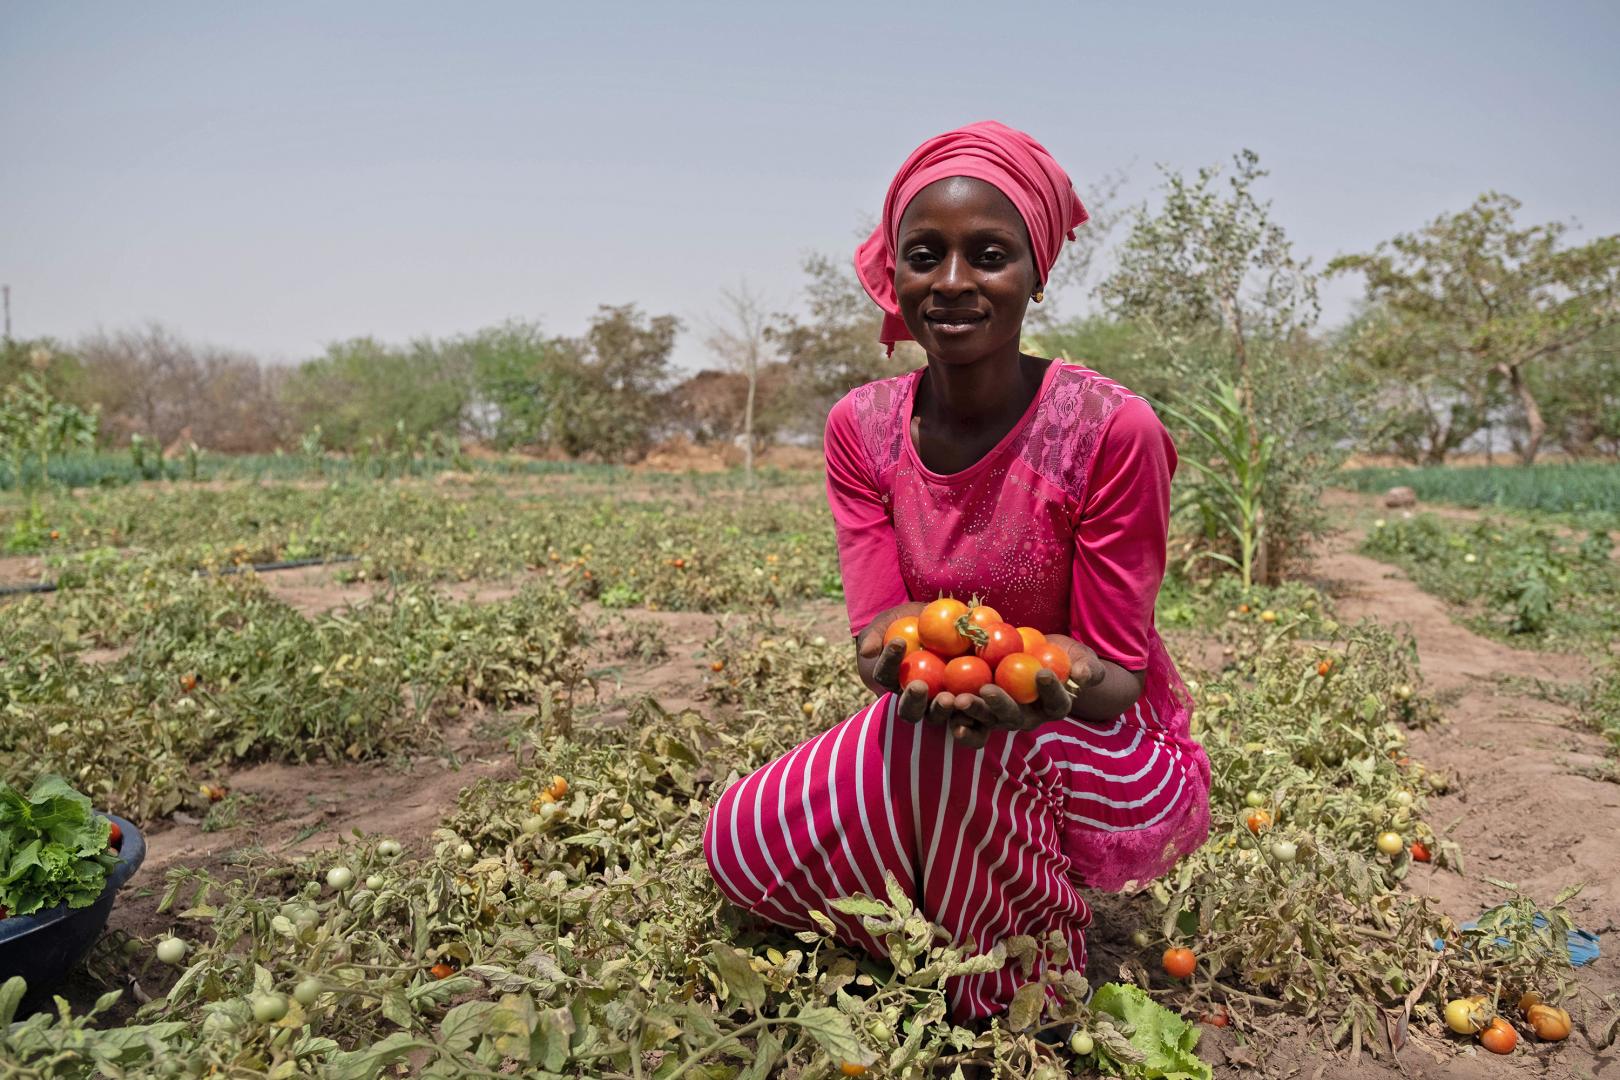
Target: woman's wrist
<point>1114,693</point>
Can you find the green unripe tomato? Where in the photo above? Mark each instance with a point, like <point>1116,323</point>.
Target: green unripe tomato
<point>307,991</point>
<point>340,877</point>
<point>171,950</point>
<point>268,1008</point>
<point>1254,798</point>
<point>533,824</point>
<point>388,849</point>
<point>1141,939</point>
<point>1390,843</point>
<point>375,882</point>
<point>1284,851</point>
<point>466,853</point>
<point>1403,798</point>
<point>1082,1043</point>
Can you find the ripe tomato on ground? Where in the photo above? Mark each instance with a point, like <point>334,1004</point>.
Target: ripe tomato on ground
<point>1499,1037</point>
<point>1004,641</point>
<point>966,675</point>
<point>925,666</point>
<point>1016,675</point>
<point>1055,658</point>
<point>936,628</point>
<point>1033,638</point>
<point>1179,962</point>
<point>904,628</point>
<point>1420,851</point>
<point>441,970</point>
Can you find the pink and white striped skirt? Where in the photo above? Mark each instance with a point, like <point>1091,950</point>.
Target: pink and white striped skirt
<point>989,842</point>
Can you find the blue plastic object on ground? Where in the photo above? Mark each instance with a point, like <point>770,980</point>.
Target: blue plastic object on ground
<point>1583,945</point>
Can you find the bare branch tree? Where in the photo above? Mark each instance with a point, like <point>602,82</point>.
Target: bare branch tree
<point>737,338</point>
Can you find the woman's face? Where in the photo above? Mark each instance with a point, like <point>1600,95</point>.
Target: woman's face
<point>964,271</point>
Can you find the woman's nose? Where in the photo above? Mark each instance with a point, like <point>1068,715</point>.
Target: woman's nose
<point>954,276</point>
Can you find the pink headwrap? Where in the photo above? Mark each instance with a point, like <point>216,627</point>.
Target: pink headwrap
<point>1016,164</point>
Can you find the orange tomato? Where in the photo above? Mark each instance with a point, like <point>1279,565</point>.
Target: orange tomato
<point>904,628</point>
<point>925,666</point>
<point>852,1068</point>
<point>1179,962</point>
<point>1499,1037</point>
<point>1004,641</point>
<point>1054,658</point>
<point>983,616</point>
<point>441,970</point>
<point>1258,821</point>
<point>1033,638</point>
<point>1550,1024</point>
<point>936,628</point>
<point>966,675</point>
<point>1324,668</point>
<point>1016,675</point>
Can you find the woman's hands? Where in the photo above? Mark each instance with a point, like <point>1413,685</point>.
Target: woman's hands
<point>971,718</point>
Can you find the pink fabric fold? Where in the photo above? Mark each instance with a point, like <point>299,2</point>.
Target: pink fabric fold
<point>1016,164</point>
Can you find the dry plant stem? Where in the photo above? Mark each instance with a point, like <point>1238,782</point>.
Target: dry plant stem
<point>1230,992</point>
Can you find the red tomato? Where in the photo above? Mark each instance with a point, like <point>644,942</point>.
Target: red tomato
<point>441,970</point>
<point>1499,1037</point>
<point>115,835</point>
<point>904,628</point>
<point>1179,962</point>
<point>936,627</point>
<point>1033,638</point>
<point>1420,851</point>
<point>1054,658</point>
<point>1016,675</point>
<point>984,616</point>
<point>925,666</point>
<point>966,675</point>
<point>1004,641</point>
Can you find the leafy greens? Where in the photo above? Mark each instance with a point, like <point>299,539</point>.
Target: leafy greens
<point>53,848</point>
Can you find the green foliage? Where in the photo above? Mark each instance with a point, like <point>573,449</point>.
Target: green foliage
<point>1529,581</point>
<point>35,426</point>
<point>363,390</point>
<point>53,847</point>
<point>1574,488</point>
<point>1210,287</point>
<point>1229,495</point>
<point>1464,307</point>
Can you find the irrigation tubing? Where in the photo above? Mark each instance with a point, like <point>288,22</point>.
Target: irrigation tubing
<point>258,568</point>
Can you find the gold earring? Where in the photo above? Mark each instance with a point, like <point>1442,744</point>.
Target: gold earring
<point>1040,294</point>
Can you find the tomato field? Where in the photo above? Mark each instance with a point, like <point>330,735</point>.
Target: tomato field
<point>431,804</point>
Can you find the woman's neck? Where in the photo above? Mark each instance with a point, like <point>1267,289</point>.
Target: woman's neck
<point>986,393</point>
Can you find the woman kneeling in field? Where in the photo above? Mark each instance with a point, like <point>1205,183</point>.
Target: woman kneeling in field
<point>1040,486</point>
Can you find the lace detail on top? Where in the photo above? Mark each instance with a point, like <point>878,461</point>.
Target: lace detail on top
<point>878,409</point>
<point>1062,438</point>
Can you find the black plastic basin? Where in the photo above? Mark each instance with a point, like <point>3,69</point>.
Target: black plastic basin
<point>46,946</point>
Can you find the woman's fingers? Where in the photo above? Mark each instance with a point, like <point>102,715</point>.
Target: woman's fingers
<point>1003,710</point>
<point>1051,698</point>
<point>887,670</point>
<point>913,701</point>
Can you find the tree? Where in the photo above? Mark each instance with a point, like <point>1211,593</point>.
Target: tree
<point>1218,299</point>
<point>738,339</point>
<point>1491,299</point>
<point>835,348</point>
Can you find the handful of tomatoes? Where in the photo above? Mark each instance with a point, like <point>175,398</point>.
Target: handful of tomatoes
<point>962,648</point>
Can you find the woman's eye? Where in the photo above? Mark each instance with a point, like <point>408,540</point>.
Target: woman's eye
<point>992,256</point>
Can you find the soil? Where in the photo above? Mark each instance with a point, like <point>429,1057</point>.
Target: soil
<point>1521,808</point>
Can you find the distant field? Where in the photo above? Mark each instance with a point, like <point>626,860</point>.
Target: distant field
<point>1559,488</point>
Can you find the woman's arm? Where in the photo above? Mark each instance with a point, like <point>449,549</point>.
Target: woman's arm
<point>868,553</point>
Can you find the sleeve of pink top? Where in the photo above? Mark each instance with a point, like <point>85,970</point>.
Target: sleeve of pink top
<point>1121,535</point>
<point>868,556</point>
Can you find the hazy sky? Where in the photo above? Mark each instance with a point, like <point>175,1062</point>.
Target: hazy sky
<point>279,175</point>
